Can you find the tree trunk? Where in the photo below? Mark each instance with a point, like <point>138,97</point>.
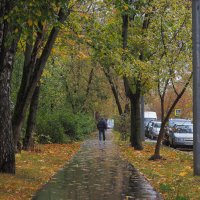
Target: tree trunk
<point>88,88</point>
<point>114,91</point>
<point>159,141</point>
<point>7,53</point>
<point>18,116</point>
<point>136,140</point>
<point>7,154</point>
<point>28,141</point>
<point>36,68</point>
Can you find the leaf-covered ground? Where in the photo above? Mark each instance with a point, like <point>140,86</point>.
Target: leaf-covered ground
<point>34,169</point>
<point>172,176</point>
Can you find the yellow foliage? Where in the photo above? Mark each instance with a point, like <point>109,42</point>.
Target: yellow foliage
<point>30,22</point>
<point>81,55</point>
<point>183,174</point>
<point>35,23</point>
<point>46,73</point>
<point>125,7</point>
<point>71,42</point>
<point>39,13</point>
<point>80,36</point>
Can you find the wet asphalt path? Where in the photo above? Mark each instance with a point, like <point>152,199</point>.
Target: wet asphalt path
<point>97,172</point>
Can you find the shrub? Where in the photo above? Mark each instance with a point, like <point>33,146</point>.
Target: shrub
<point>63,127</point>
<point>122,125</point>
<point>84,125</point>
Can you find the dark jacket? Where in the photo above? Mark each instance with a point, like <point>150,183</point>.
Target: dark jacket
<point>102,125</point>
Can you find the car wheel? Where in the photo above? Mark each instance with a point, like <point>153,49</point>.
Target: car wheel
<point>170,143</point>
<point>173,145</point>
<point>152,136</point>
<point>167,142</point>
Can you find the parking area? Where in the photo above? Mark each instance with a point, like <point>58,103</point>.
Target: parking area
<point>178,133</point>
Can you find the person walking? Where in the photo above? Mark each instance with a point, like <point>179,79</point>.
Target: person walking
<point>102,126</point>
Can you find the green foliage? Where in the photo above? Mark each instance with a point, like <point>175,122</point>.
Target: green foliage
<point>16,76</point>
<point>122,125</point>
<point>50,129</point>
<point>43,139</point>
<point>84,124</point>
<point>165,187</point>
<point>62,126</point>
<point>181,197</point>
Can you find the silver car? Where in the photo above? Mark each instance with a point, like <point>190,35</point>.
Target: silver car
<point>181,135</point>
<point>155,129</point>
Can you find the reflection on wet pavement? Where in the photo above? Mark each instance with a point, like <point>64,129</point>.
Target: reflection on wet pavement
<point>97,173</point>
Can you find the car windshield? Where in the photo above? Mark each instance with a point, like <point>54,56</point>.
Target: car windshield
<point>157,125</point>
<point>179,122</point>
<point>148,120</point>
<point>184,129</point>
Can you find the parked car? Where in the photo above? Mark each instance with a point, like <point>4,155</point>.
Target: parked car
<point>155,129</point>
<point>178,121</point>
<point>148,128</point>
<point>173,122</point>
<point>181,135</point>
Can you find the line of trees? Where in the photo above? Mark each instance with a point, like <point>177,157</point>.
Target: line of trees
<point>137,46</point>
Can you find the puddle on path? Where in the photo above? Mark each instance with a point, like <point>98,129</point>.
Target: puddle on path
<point>97,173</point>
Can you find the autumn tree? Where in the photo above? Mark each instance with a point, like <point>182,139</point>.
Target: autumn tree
<point>136,17</point>
<point>36,54</point>
<point>97,33</point>
<point>172,56</point>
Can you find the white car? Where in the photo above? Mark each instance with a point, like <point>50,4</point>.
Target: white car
<point>155,129</point>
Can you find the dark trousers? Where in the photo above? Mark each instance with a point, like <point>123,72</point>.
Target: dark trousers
<point>102,133</point>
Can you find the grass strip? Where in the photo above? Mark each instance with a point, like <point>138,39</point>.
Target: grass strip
<point>34,169</point>
<point>172,176</point>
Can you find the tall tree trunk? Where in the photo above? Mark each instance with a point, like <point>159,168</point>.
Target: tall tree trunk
<point>27,72</point>
<point>88,88</point>
<point>25,96</point>
<point>7,153</point>
<point>28,142</point>
<point>7,53</point>
<point>136,140</point>
<point>114,91</point>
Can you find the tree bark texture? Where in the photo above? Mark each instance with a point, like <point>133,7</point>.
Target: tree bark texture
<point>136,140</point>
<point>7,156</point>
<point>7,153</point>
<point>30,81</point>
<point>7,53</point>
<point>28,140</point>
